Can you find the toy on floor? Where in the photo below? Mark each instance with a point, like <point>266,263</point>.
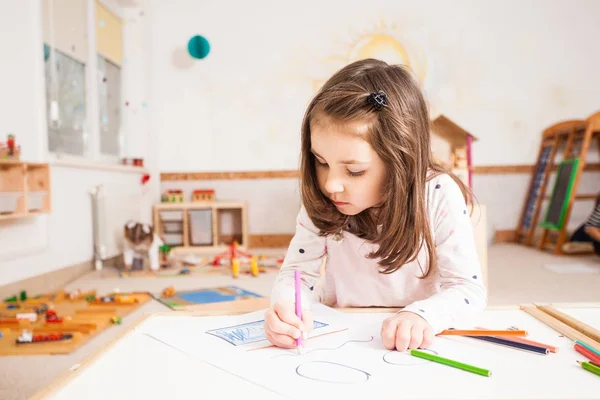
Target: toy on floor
<point>141,240</point>
<point>165,249</point>
<point>168,292</point>
<point>116,320</point>
<point>115,299</point>
<point>234,255</point>
<point>52,318</point>
<point>26,337</point>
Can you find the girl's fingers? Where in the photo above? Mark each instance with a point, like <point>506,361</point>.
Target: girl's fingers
<point>283,341</point>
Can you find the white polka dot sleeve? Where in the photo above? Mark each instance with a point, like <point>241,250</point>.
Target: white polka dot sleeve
<point>306,252</point>
<point>462,294</point>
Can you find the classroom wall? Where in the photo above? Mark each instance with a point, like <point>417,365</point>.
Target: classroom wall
<point>42,244</point>
<point>503,70</point>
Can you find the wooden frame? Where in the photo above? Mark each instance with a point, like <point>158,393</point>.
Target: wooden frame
<point>244,306</point>
<point>569,132</point>
<point>460,141</point>
<point>219,242</point>
<point>30,183</point>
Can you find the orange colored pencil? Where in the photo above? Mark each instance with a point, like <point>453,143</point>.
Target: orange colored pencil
<point>481,332</point>
<point>550,348</point>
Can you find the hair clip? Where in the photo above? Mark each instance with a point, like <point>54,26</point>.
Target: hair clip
<point>378,100</point>
<point>146,228</point>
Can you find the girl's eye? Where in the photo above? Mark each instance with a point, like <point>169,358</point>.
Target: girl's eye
<point>357,173</point>
<point>324,164</point>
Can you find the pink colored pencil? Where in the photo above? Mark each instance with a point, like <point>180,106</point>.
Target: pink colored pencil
<point>299,341</point>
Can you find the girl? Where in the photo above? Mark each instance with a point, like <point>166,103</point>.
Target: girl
<point>392,222</point>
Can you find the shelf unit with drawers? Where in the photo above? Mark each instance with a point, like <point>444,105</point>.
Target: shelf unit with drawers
<point>203,225</point>
<point>24,189</point>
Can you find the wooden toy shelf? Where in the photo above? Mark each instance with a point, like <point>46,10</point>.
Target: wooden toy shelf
<point>202,225</point>
<point>24,189</point>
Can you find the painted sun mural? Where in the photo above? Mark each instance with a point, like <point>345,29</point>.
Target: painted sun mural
<point>384,41</point>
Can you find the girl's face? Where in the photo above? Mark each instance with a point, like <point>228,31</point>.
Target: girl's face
<point>349,171</point>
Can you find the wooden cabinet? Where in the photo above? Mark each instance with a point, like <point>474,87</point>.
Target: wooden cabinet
<point>24,189</point>
<point>202,225</point>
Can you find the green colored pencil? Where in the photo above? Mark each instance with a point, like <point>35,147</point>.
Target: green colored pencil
<point>590,367</point>
<point>451,363</point>
<point>587,346</point>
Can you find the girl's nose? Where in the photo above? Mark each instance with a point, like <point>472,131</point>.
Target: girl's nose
<point>333,185</point>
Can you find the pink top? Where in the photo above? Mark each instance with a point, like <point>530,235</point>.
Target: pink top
<point>455,291</point>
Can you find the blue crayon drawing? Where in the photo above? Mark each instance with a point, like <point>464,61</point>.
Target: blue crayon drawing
<point>248,333</point>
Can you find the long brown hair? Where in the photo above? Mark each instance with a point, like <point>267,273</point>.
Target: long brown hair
<point>400,135</point>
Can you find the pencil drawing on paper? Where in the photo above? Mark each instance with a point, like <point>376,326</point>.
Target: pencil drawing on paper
<point>250,332</point>
<point>294,353</point>
<point>331,372</point>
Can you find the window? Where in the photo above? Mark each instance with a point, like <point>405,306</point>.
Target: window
<point>109,102</point>
<point>83,79</point>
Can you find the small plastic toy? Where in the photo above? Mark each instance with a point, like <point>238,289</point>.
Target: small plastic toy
<point>184,271</point>
<point>116,320</point>
<point>254,266</point>
<point>42,309</point>
<point>124,299</point>
<point>235,267</point>
<point>172,196</point>
<point>52,318</point>
<point>203,195</point>
<point>168,292</point>
<point>27,337</point>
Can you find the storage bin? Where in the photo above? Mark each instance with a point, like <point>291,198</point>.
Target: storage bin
<point>173,226</point>
<point>173,239</point>
<point>201,232</point>
<point>174,215</point>
<point>9,201</point>
<point>35,200</point>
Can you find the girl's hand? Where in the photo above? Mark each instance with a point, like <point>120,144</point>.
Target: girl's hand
<point>406,330</point>
<point>283,327</point>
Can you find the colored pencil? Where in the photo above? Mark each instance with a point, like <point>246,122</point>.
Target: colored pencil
<point>451,363</point>
<point>588,366</point>
<point>587,346</point>
<point>298,290</point>
<point>550,348</point>
<point>582,350</point>
<point>481,332</point>
<point>510,343</point>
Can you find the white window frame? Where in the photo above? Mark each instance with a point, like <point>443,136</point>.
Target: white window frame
<point>92,154</point>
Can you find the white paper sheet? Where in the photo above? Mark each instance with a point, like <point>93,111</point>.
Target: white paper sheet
<point>354,363</point>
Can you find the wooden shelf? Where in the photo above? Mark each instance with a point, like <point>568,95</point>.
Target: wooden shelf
<point>200,226</point>
<point>24,189</point>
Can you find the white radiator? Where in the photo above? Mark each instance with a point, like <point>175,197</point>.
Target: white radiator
<point>112,206</point>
